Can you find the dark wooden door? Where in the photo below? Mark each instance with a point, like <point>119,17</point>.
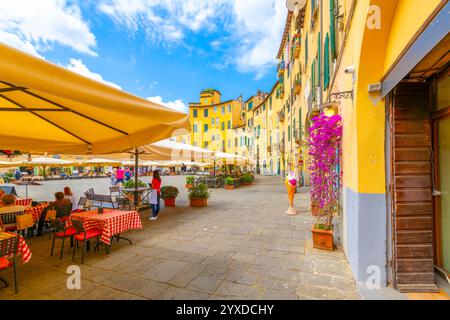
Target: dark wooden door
<point>411,169</point>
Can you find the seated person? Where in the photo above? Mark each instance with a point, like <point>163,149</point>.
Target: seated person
<point>61,205</point>
<point>9,204</point>
<point>2,193</point>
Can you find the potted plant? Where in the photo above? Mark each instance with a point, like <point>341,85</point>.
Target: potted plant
<point>198,195</point>
<point>131,185</point>
<point>324,141</point>
<point>229,183</point>
<point>247,179</point>
<point>190,180</point>
<point>168,194</point>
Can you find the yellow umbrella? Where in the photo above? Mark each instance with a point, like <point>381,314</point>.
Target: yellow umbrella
<point>47,108</point>
<point>99,162</point>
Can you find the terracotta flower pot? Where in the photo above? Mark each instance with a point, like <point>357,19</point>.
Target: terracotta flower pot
<point>322,239</point>
<point>169,202</point>
<point>199,202</point>
<point>189,186</point>
<point>246,183</point>
<point>229,187</point>
<point>314,209</point>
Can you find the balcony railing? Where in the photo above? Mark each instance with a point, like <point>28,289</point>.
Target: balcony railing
<point>296,46</point>
<point>281,116</point>
<point>280,92</point>
<point>297,84</point>
<point>281,67</point>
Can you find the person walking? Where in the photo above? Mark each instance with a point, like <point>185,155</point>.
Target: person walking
<point>155,197</point>
<point>119,176</point>
<point>114,177</point>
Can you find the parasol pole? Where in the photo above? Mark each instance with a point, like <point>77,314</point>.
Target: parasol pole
<point>136,176</point>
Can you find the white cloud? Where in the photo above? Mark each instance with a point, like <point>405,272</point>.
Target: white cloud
<point>76,65</point>
<point>251,29</point>
<point>177,105</point>
<point>164,21</point>
<point>259,25</point>
<point>34,26</point>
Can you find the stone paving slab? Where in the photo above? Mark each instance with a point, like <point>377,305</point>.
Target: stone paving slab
<point>242,246</point>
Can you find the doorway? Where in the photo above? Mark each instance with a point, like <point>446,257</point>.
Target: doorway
<point>441,192</point>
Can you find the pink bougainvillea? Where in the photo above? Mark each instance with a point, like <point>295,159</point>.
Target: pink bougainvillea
<point>325,136</point>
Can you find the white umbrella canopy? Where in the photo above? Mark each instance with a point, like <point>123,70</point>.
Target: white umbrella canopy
<point>10,164</point>
<point>98,162</point>
<point>46,162</point>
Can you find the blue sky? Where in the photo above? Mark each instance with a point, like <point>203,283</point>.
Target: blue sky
<point>163,50</point>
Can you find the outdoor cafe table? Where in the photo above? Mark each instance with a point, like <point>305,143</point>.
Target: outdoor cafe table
<point>22,247</point>
<point>112,222</point>
<point>143,191</point>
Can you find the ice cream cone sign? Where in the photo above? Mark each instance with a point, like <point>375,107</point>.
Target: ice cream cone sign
<point>291,185</point>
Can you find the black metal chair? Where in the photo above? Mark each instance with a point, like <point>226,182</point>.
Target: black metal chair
<point>9,221</point>
<point>8,251</point>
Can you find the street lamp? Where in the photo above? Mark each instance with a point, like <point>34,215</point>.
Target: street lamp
<point>295,5</point>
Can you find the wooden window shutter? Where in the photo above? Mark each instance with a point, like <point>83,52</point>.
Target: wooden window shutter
<point>326,64</point>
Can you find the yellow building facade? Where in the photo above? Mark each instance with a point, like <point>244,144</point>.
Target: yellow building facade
<point>355,58</point>
<point>213,121</point>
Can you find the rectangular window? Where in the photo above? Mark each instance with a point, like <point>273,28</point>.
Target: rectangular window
<point>205,127</point>
<point>223,125</point>
<point>250,105</point>
<point>270,103</point>
<point>205,113</point>
<point>212,121</point>
<point>194,113</point>
<point>264,107</point>
<point>223,110</point>
<point>194,128</point>
<point>215,109</point>
<point>229,124</point>
<point>289,133</point>
<point>229,108</point>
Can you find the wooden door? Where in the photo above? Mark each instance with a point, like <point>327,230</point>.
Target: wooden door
<point>413,263</point>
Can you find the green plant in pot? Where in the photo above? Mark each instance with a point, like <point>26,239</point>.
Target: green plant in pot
<point>198,195</point>
<point>169,194</point>
<point>247,179</point>
<point>190,180</point>
<point>229,183</point>
<point>131,185</point>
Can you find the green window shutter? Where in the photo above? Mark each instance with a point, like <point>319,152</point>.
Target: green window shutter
<point>326,65</point>
<point>332,31</point>
<point>319,58</point>
<point>289,133</point>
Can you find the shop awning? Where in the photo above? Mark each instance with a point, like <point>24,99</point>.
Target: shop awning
<point>46,108</point>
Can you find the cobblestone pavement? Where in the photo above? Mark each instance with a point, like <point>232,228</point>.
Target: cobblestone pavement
<point>242,246</point>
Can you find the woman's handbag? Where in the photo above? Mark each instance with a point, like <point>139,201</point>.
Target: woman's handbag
<point>51,215</point>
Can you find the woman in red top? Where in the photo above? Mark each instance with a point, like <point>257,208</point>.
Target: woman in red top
<point>156,186</point>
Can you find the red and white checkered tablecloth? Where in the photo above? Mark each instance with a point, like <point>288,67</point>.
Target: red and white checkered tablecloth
<point>36,211</point>
<point>23,202</point>
<point>111,222</point>
<point>22,248</point>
